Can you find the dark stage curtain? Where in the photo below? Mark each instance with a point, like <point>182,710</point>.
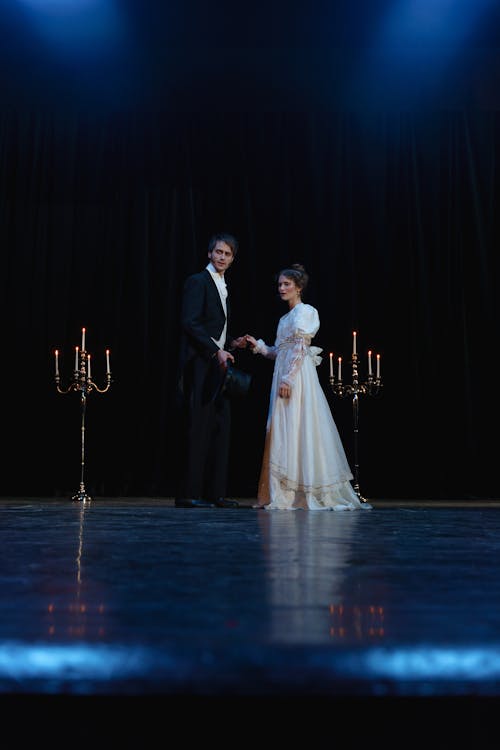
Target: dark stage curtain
<point>393,213</point>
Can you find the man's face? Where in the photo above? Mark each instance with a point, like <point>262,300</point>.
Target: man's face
<point>221,256</point>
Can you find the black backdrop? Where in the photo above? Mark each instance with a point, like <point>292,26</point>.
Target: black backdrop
<point>108,203</point>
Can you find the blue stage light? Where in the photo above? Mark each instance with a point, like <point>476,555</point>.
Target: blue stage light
<point>75,25</point>
<point>441,22</point>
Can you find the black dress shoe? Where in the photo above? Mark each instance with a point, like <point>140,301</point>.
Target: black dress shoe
<point>221,502</point>
<point>183,502</point>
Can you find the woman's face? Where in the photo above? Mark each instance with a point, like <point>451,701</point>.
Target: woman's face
<point>288,289</point>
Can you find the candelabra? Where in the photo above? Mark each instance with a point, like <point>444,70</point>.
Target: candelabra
<point>371,387</point>
<point>82,382</point>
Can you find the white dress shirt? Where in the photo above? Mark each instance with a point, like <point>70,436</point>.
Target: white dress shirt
<point>222,289</point>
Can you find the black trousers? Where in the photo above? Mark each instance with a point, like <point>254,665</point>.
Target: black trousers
<point>206,427</point>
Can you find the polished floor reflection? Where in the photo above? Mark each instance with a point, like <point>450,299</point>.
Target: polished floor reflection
<point>135,598</point>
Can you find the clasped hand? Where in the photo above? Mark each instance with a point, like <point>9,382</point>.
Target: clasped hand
<point>225,358</point>
<point>244,341</point>
<point>284,390</point>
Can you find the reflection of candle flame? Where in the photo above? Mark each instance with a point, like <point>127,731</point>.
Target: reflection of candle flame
<point>80,549</point>
<point>76,617</point>
<point>362,621</point>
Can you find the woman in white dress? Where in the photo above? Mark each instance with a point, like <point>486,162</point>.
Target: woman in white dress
<point>304,463</point>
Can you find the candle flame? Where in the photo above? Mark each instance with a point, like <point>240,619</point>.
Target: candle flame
<point>57,352</point>
<point>107,351</point>
<point>370,352</point>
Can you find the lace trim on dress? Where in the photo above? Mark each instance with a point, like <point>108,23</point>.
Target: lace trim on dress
<point>317,489</point>
<point>301,346</point>
<point>290,495</point>
<point>298,346</point>
<point>269,352</point>
<point>291,340</point>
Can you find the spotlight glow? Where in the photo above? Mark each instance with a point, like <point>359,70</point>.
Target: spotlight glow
<point>433,21</point>
<point>75,24</point>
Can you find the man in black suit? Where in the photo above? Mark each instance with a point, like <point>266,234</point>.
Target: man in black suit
<point>205,354</point>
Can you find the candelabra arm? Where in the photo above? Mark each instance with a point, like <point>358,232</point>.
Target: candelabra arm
<point>64,390</point>
<point>106,387</point>
<point>70,387</point>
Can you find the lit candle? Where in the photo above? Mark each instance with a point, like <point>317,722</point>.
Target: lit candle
<point>331,364</point>
<point>88,366</point>
<point>354,342</point>
<point>370,363</point>
<point>340,368</point>
<point>107,362</point>
<point>378,365</point>
<point>76,359</point>
<point>83,339</point>
<point>57,363</point>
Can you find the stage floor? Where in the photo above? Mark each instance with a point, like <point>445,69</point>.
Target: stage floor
<point>132,600</point>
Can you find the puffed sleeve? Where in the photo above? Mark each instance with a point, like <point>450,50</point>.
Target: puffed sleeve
<point>307,323</point>
<point>305,328</point>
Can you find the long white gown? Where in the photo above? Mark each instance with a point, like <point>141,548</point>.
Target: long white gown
<point>304,463</point>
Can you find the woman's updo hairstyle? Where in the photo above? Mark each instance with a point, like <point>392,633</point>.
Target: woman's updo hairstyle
<point>298,274</point>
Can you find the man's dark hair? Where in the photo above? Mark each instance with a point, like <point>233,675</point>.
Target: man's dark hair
<point>223,237</point>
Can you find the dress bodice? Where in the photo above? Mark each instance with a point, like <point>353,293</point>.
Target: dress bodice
<point>293,342</point>
<point>301,321</point>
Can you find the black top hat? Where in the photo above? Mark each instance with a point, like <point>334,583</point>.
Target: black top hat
<point>236,382</point>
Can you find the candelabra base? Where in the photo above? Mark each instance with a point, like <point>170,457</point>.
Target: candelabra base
<point>361,498</point>
<point>81,496</point>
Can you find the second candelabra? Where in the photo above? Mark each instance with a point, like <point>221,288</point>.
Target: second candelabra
<point>372,386</point>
